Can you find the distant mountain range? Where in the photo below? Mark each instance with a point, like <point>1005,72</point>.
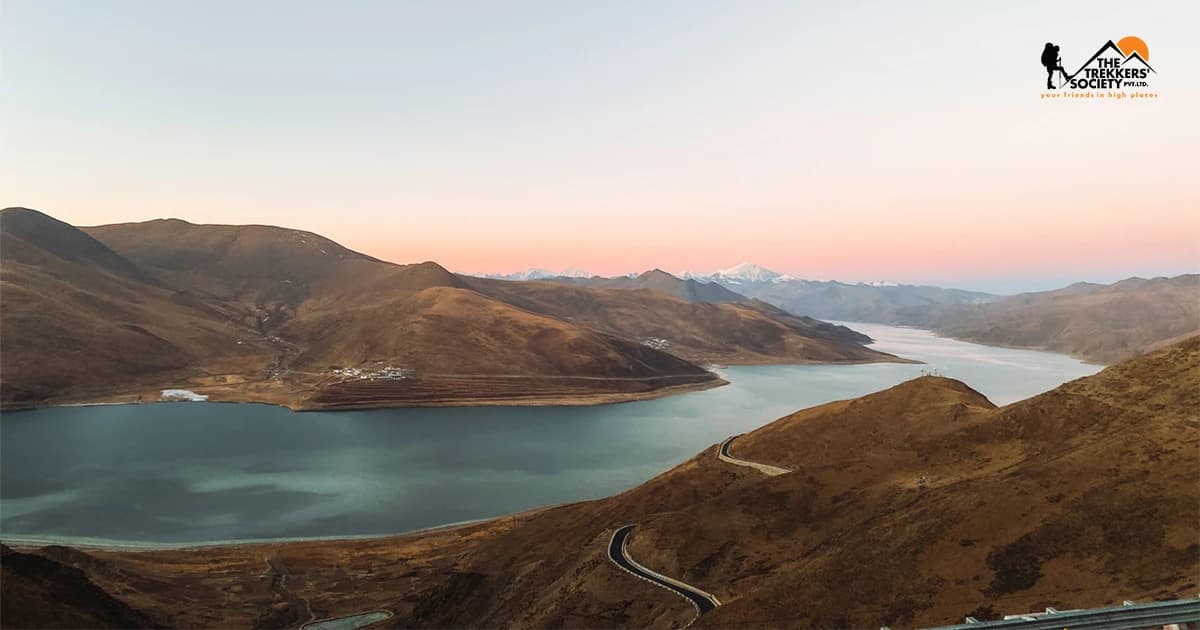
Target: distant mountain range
<point>743,273</point>
<point>536,273</point>
<point>1096,322</point>
<point>878,301</point>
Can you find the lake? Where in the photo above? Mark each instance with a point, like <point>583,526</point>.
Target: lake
<point>203,472</point>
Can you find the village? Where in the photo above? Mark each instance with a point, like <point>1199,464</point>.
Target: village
<point>387,373</point>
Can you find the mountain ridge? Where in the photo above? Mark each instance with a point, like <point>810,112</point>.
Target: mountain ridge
<point>265,314</point>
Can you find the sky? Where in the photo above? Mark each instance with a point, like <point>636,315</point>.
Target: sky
<point>855,141</point>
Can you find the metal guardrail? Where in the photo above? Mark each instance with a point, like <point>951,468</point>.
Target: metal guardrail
<point>1154,614</point>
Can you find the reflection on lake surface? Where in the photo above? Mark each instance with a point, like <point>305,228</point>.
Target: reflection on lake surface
<point>191,472</point>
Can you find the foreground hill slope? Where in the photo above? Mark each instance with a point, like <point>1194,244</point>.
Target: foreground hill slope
<point>917,505</point>
<point>914,506</point>
<point>705,332</point>
<point>39,592</point>
<point>1100,323</point>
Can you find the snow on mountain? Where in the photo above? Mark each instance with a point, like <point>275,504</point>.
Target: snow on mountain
<point>537,273</point>
<point>742,273</point>
<point>746,272</point>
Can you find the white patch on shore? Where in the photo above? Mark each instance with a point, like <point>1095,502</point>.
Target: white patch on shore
<point>188,395</point>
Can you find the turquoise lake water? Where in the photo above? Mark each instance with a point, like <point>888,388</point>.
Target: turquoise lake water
<point>200,472</point>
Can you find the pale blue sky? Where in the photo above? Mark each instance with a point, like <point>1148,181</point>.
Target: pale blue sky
<point>834,140</point>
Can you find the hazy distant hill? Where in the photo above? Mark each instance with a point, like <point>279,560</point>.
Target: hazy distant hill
<point>880,302</point>
<point>271,314</point>
<point>1101,323</point>
<point>536,273</point>
<point>914,506</point>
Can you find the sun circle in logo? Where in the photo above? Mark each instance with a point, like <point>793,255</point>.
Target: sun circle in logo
<point>1131,44</point>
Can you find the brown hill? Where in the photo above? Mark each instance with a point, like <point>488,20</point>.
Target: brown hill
<point>268,314</point>
<point>79,319</point>
<point>914,506</point>
<point>746,333</point>
<point>274,268</point>
<point>476,349</point>
<point>917,505</point>
<point>36,239</point>
<point>1098,323</point>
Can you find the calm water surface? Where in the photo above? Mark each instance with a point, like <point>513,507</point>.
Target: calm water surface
<point>192,472</point>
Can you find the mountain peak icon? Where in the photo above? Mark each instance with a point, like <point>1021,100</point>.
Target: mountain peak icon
<point>1135,56</point>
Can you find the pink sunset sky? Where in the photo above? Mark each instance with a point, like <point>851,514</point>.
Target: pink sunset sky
<point>897,141</point>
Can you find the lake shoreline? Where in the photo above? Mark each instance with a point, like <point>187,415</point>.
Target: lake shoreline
<point>534,400</point>
<point>20,542</point>
<point>991,344</point>
<point>288,399</point>
<point>240,474</point>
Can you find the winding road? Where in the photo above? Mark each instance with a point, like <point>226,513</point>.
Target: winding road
<point>619,554</point>
<point>702,601</point>
<point>766,469</point>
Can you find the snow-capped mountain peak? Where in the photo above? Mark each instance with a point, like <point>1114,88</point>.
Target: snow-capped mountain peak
<point>746,272</point>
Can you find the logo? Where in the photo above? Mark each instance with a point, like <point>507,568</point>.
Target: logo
<point>1117,70</point>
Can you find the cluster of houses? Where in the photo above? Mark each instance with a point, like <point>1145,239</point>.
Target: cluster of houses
<point>388,373</point>
<point>657,343</point>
